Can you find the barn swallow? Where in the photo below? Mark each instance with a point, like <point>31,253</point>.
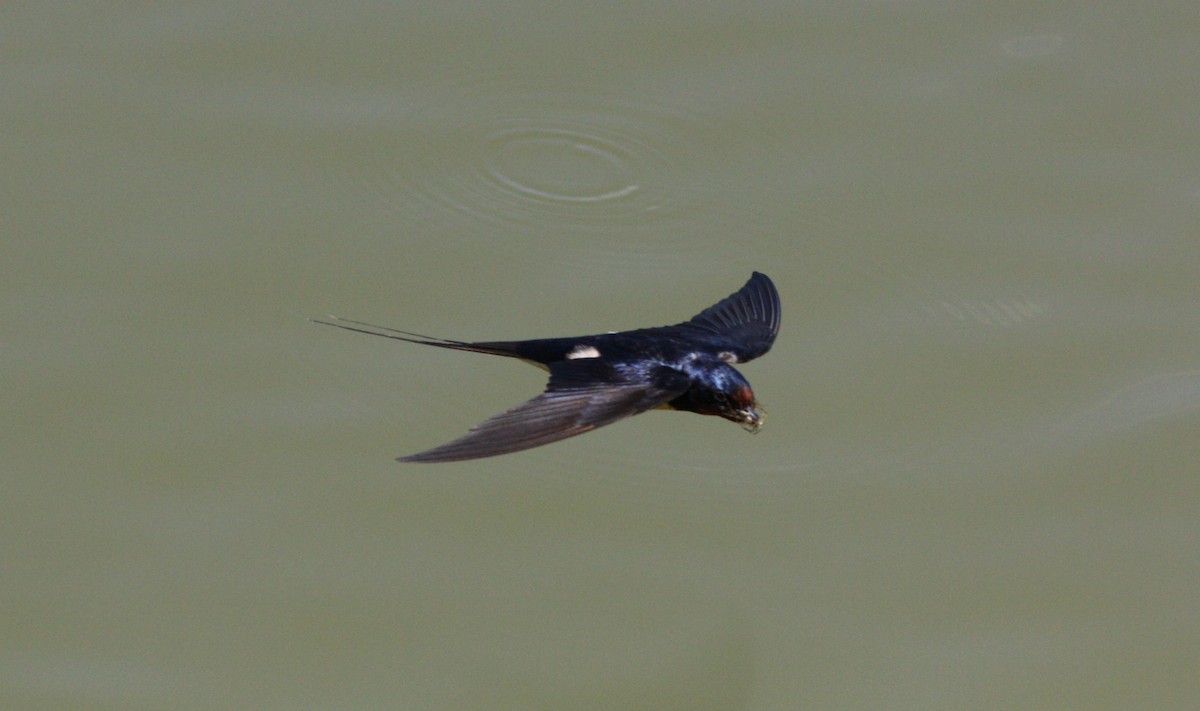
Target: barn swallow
<point>597,380</point>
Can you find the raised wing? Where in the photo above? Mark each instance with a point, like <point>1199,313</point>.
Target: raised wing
<point>581,396</point>
<point>746,322</point>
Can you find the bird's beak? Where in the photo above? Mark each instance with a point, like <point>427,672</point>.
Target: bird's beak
<point>753,418</point>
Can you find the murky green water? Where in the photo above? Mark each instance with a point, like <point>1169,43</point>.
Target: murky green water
<point>978,486</point>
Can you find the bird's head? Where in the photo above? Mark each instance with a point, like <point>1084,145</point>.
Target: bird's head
<point>725,393</point>
<point>740,406</point>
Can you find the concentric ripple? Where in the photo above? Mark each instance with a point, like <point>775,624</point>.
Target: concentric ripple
<point>560,165</point>
<point>526,152</point>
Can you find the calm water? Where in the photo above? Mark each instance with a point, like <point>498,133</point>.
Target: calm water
<point>978,487</point>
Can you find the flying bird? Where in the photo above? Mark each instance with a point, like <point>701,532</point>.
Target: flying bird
<point>597,380</point>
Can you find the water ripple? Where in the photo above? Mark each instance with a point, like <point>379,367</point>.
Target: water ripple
<point>519,151</point>
<point>561,165</point>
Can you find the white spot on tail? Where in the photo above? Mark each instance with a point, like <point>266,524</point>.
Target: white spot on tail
<point>583,351</point>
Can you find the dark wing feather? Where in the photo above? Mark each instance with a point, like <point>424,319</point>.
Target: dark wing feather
<point>578,399</point>
<point>748,319</point>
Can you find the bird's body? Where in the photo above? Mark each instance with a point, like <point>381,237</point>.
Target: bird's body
<point>596,380</point>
